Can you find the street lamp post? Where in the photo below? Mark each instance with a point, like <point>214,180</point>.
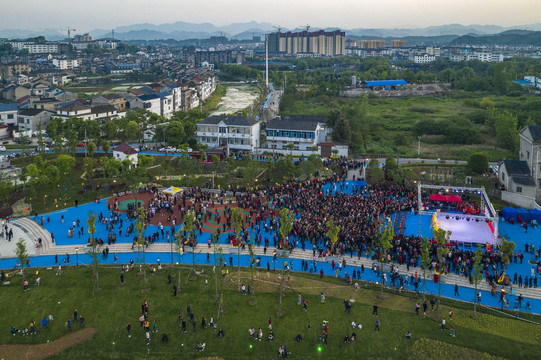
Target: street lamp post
<point>77,255</point>
<point>419,147</point>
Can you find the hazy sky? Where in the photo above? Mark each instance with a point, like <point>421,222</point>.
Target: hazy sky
<point>91,14</point>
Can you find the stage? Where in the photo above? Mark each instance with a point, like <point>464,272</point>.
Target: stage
<point>467,231</point>
<point>462,230</point>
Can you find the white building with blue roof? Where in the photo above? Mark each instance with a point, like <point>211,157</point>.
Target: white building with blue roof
<point>8,114</point>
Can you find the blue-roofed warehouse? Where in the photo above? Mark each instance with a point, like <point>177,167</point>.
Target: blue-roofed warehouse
<point>386,84</point>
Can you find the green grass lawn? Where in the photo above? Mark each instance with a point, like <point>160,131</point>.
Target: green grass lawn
<point>110,309</point>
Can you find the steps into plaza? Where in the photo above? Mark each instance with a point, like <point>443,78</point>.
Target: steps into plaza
<point>34,232</point>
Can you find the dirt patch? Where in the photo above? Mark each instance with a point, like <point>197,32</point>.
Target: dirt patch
<point>43,351</point>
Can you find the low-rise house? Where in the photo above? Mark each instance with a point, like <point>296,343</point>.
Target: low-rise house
<point>102,112</point>
<point>233,132</point>
<point>190,100</point>
<point>125,152</point>
<point>116,100</point>
<point>150,102</point>
<point>516,177</point>
<point>75,110</point>
<point>14,92</point>
<point>44,104</point>
<point>8,114</point>
<point>301,135</point>
<point>29,120</point>
<point>38,87</point>
<point>166,104</point>
<point>304,132</point>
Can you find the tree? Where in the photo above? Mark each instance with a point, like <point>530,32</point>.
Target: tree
<point>342,131</point>
<point>112,167</point>
<point>166,166</point>
<point>425,261</point>
<point>65,163</point>
<point>215,239</point>
<point>290,147</point>
<point>478,163</point>
<point>286,225</point>
<point>384,243</point>
<point>41,146</point>
<point>174,134</point>
<point>105,145</point>
<point>477,275</point>
<point>486,103</point>
<point>22,255</point>
<point>91,148</point>
<point>332,233</point>
<point>375,175</point>
<point>179,243</point>
<point>237,225</point>
<point>132,131</point>
<point>89,168</point>
<point>52,174</point>
<point>506,128</point>
<point>252,263</point>
<point>442,239</point>
<point>506,251</point>
<point>392,171</point>
<point>110,129</point>
<point>140,240</point>
<point>94,251</point>
<point>34,173</point>
<point>189,229</point>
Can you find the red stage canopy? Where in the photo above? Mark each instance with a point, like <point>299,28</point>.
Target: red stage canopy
<point>448,198</point>
<point>454,198</point>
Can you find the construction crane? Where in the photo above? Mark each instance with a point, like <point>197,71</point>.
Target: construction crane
<point>68,29</point>
<point>279,28</point>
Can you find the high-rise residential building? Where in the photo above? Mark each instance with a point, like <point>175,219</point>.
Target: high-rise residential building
<point>371,44</point>
<point>398,43</point>
<point>326,43</point>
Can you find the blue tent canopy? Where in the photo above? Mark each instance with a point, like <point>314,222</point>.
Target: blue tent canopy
<point>524,214</point>
<point>536,214</point>
<point>509,213</point>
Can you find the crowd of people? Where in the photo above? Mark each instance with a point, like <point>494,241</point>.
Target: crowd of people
<point>359,212</point>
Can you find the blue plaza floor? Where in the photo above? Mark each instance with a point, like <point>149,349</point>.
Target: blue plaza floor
<point>60,231</point>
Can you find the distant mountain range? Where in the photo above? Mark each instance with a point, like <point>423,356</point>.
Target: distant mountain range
<point>443,35</point>
<point>510,37</point>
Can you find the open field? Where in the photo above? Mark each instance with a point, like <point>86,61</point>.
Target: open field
<point>392,123</point>
<point>110,309</point>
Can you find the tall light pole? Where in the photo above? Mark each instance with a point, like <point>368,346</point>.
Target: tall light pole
<point>267,61</point>
<point>419,147</point>
<point>77,255</point>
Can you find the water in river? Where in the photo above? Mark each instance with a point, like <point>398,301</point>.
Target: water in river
<point>236,98</point>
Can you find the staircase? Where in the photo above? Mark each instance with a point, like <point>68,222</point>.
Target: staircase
<point>34,231</point>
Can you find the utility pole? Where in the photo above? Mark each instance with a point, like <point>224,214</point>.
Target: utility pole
<point>419,147</point>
